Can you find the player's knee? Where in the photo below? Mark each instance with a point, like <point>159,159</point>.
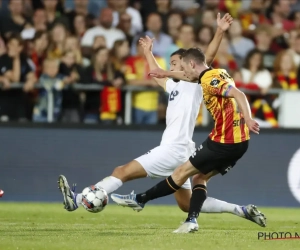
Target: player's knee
<point>179,176</point>
<point>120,173</point>
<point>199,179</point>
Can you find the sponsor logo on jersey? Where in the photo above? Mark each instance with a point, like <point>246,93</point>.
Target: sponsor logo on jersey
<point>294,175</point>
<point>214,82</point>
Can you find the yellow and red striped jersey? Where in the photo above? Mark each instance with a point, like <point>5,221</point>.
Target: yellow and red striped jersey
<point>230,125</point>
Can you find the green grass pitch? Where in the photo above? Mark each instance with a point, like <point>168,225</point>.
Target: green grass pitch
<point>42,226</point>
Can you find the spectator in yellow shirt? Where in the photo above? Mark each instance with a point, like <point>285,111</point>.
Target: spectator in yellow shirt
<point>145,103</point>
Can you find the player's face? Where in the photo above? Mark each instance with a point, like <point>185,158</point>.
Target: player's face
<point>188,68</point>
<point>175,63</point>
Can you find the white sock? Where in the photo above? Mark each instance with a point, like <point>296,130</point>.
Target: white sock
<point>78,199</point>
<point>212,205</point>
<point>110,184</point>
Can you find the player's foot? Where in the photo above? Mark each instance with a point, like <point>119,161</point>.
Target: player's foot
<point>128,200</point>
<point>189,226</point>
<point>252,213</point>
<point>68,193</point>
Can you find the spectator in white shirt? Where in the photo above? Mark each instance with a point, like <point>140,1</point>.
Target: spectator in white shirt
<point>105,29</point>
<point>120,7</point>
<point>254,72</point>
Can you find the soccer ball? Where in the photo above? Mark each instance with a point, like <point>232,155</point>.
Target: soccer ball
<point>94,199</point>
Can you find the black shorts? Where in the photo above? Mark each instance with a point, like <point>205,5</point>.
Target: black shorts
<point>217,156</point>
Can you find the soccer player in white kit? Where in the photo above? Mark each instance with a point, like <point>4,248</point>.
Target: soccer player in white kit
<point>176,145</point>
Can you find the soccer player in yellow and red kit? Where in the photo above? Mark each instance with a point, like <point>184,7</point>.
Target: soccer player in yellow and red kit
<point>225,145</point>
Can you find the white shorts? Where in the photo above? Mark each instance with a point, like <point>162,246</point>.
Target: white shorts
<point>163,160</point>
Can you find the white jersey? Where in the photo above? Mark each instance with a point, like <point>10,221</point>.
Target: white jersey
<point>177,144</point>
<point>183,108</point>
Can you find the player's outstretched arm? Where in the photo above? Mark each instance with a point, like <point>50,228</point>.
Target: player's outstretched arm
<point>223,25</point>
<point>160,73</point>
<point>244,106</point>
<point>147,44</point>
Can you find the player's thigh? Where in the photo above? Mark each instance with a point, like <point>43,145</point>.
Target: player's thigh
<point>182,197</point>
<point>160,161</point>
<point>130,171</point>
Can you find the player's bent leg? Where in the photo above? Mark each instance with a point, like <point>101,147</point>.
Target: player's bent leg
<point>131,171</point>
<point>183,197</point>
<point>182,173</point>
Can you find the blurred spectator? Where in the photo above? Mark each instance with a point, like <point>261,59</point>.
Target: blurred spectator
<point>72,73</point>
<point>204,36</point>
<point>125,26</point>
<point>102,72</point>
<point>209,18</point>
<point>254,16</point>
<point>118,55</point>
<point>16,68</point>
<point>175,21</point>
<point>105,29</point>
<point>39,21</point>
<point>39,53</point>
<point>186,40</point>
<point>233,7</point>
<point>285,72</point>
<point>58,37</point>
<point>224,59</point>
<point>15,22</point>
<point>212,5</point>
<point>99,41</point>
<point>162,40</point>
<point>80,26</point>
<point>120,7</point>
<point>255,77</point>
<point>263,38</point>
<point>294,42</point>
<point>189,7</point>
<point>52,81</point>
<point>53,15</point>
<point>2,46</point>
<point>186,37</point>
<point>239,45</point>
<point>145,103</point>
<point>164,10</point>
<point>279,12</point>
<point>80,8</point>
<point>296,19</point>
<point>94,6</point>
<point>72,44</point>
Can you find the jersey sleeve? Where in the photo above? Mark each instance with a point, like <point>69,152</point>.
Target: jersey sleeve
<point>217,83</point>
<point>170,85</point>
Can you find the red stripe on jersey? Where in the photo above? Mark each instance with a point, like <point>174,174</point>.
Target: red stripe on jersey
<point>243,135</point>
<point>219,122</point>
<point>229,136</point>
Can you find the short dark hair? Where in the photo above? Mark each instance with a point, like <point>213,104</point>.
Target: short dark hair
<point>179,52</point>
<point>195,54</point>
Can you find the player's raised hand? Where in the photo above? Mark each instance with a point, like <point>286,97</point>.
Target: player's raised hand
<point>146,43</point>
<point>253,125</point>
<point>158,73</point>
<point>225,22</point>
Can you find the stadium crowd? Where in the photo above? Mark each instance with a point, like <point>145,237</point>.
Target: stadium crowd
<point>57,44</point>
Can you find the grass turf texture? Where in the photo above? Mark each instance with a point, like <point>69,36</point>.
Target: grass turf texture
<point>25,226</point>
